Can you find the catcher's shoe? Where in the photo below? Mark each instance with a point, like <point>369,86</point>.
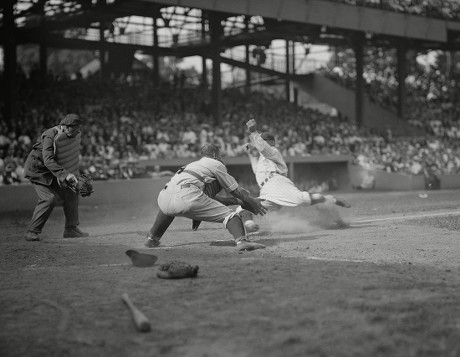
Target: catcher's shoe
<point>251,226</point>
<point>74,232</point>
<point>336,201</point>
<point>244,243</point>
<point>32,236</point>
<point>151,242</point>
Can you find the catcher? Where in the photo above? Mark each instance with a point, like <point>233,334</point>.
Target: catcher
<point>191,193</point>
<point>52,167</point>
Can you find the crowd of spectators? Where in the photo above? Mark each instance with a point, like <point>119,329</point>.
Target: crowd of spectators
<point>442,9</point>
<point>129,120</point>
<point>430,92</point>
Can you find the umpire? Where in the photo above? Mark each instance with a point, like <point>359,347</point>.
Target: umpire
<point>52,164</point>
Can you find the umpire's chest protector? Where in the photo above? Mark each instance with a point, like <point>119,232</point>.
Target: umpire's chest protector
<point>67,152</point>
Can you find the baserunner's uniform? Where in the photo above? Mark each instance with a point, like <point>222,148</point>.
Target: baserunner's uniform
<point>271,170</point>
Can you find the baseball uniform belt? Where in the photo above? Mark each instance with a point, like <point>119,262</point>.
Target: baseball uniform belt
<point>268,178</point>
<point>185,185</point>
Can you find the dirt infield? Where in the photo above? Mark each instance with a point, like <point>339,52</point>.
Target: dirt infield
<point>387,285</point>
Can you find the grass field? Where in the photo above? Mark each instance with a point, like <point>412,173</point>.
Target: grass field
<point>386,285</point>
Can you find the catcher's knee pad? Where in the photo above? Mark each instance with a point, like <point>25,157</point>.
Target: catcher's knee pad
<point>230,216</point>
<point>244,214</point>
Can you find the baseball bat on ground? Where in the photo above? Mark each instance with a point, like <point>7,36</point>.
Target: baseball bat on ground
<point>140,320</point>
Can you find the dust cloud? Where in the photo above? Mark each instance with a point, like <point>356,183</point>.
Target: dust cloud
<point>322,216</point>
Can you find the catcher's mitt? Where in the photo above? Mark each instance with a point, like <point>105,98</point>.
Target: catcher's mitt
<point>83,186</point>
<point>177,270</point>
<point>253,205</point>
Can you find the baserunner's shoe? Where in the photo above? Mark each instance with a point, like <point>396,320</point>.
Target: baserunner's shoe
<point>336,201</point>
<point>342,203</point>
<point>151,242</point>
<point>243,243</point>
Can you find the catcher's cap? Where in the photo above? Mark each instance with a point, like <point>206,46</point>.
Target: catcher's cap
<point>210,150</point>
<point>71,119</point>
<point>267,136</point>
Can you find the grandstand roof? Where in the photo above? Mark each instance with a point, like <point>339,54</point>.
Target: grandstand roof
<point>182,33</point>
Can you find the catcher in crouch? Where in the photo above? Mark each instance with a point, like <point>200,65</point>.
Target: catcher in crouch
<point>276,189</point>
<point>191,193</point>
<point>52,167</point>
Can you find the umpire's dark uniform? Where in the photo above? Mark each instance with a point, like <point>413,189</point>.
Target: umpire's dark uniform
<point>53,160</point>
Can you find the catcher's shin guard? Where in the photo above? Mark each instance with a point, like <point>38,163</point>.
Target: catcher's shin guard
<point>162,223</point>
<point>235,227</point>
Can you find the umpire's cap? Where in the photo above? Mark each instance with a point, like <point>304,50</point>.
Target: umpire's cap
<point>210,150</point>
<point>71,119</point>
<point>267,136</point>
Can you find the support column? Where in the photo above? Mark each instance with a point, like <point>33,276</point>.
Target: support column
<point>43,53</point>
<point>216,33</point>
<point>155,61</point>
<point>247,86</point>
<point>102,44</point>
<point>402,74</point>
<point>247,71</point>
<point>102,51</point>
<point>359,50</point>
<point>287,82</point>
<point>204,68</point>
<point>216,90</point>
<point>10,63</point>
<point>43,60</point>
<point>294,90</point>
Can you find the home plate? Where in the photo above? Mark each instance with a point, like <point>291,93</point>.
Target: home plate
<point>223,243</point>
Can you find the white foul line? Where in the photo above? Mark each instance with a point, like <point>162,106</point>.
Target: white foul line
<point>34,267</point>
<point>337,259</point>
<point>456,213</point>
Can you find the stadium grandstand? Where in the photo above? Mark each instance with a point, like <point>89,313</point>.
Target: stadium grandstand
<point>156,80</point>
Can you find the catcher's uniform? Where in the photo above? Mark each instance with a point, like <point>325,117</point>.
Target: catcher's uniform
<point>183,195</point>
<point>271,174</point>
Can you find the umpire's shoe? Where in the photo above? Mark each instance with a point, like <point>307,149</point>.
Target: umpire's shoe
<point>151,242</point>
<point>243,243</point>
<point>74,232</point>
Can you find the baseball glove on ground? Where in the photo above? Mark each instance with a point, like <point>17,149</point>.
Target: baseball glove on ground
<point>177,270</point>
<point>83,186</point>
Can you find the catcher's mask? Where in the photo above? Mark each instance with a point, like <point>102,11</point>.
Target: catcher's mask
<point>212,151</point>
